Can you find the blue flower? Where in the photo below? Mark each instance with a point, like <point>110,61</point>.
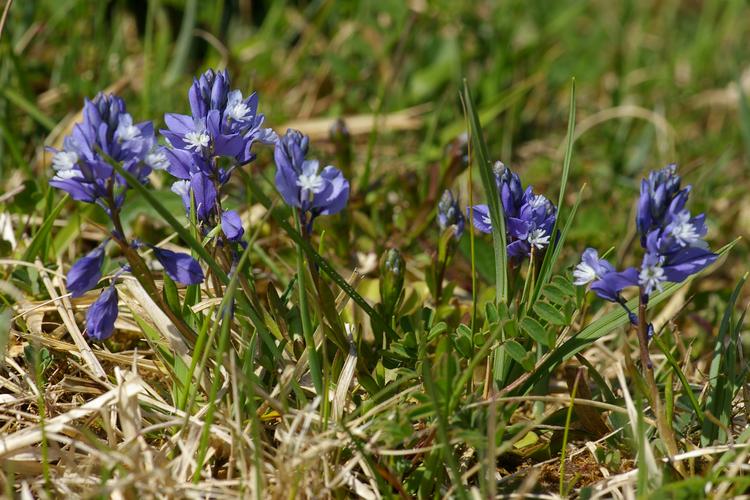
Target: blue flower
<point>591,268</point>
<point>449,214</point>
<point>674,252</point>
<point>302,183</point>
<point>673,241</point>
<point>101,316</point>
<point>180,267</point>
<point>86,272</point>
<point>231,225</point>
<point>605,281</point>
<point>107,132</point>
<point>529,218</point>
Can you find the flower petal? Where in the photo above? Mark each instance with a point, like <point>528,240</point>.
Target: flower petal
<point>181,267</point>
<point>101,316</point>
<point>86,272</point>
<point>231,225</point>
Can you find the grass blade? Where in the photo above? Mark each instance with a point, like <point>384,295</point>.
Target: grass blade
<point>29,107</point>
<point>550,257</point>
<point>493,199</point>
<point>37,242</point>
<point>183,43</point>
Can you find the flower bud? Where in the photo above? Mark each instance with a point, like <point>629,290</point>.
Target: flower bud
<point>392,268</point>
<point>449,214</point>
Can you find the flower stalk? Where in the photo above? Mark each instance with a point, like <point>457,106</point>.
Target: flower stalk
<point>307,330</point>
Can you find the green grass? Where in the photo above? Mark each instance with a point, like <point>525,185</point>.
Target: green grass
<point>314,388</point>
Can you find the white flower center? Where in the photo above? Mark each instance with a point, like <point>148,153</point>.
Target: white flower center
<point>197,139</point>
<point>651,278</point>
<point>685,234</point>
<point>538,238</point>
<point>126,131</point>
<point>157,160</point>
<point>683,231</point>
<point>311,182</point>
<point>538,201</point>
<point>487,220</point>
<point>584,274</point>
<point>181,188</point>
<point>64,160</point>
<point>236,109</point>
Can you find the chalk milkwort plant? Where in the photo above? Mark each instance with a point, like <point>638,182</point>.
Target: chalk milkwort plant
<point>516,340</point>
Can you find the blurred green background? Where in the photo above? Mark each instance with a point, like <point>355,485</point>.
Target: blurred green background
<point>657,82</point>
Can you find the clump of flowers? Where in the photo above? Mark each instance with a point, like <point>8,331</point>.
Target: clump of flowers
<point>529,217</point>
<point>303,184</point>
<point>84,168</point>
<point>672,239</point>
<point>674,249</point>
<point>207,145</point>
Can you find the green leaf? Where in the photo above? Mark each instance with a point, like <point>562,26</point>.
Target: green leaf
<point>462,340</point>
<point>555,295</point>
<point>170,294</point>
<point>553,253</point>
<point>35,247</point>
<point>493,199</point>
<point>536,331</point>
<point>564,285</point>
<point>436,330</point>
<point>518,354</point>
<point>549,314</point>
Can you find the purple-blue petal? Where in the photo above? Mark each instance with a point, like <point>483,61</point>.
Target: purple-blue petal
<point>181,162</point>
<point>480,217</point>
<point>101,316</point>
<point>519,249</point>
<point>611,284</point>
<point>180,267</point>
<point>86,272</point>
<point>204,193</point>
<point>231,225</point>
<point>687,262</point>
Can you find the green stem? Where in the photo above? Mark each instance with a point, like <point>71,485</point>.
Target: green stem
<point>307,329</point>
<point>663,425</point>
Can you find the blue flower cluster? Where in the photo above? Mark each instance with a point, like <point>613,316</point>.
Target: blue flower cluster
<point>529,217</point>
<point>83,168</point>
<point>205,146</point>
<point>202,149</point>
<point>673,241</point>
